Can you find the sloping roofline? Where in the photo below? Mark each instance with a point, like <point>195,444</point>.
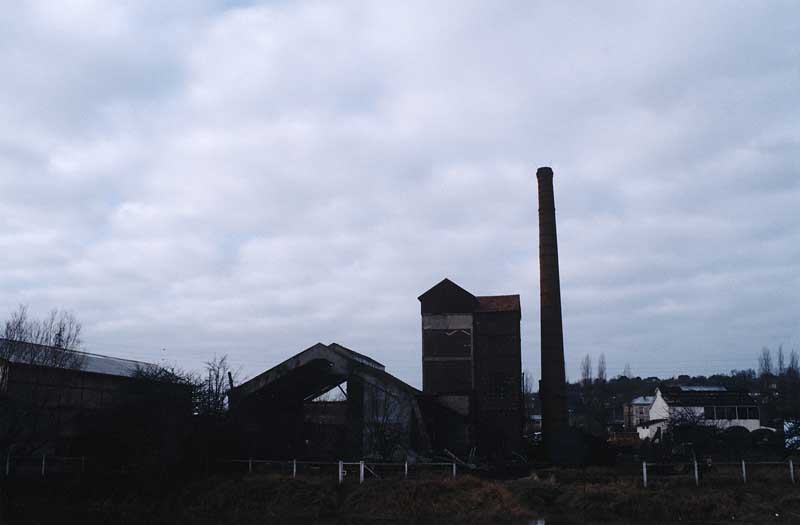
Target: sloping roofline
<point>89,362</point>
<point>339,356</point>
<point>440,283</point>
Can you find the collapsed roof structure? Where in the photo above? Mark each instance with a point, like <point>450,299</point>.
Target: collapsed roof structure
<point>381,415</point>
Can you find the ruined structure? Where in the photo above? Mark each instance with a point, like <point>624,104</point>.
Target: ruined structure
<point>471,365</point>
<point>552,388</point>
<point>380,417</point>
<point>471,400</point>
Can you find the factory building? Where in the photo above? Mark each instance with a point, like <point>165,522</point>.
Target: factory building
<point>471,365</point>
<point>52,397</point>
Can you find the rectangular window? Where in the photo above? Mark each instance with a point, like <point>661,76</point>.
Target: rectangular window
<point>708,412</point>
<point>752,413</point>
<point>730,412</point>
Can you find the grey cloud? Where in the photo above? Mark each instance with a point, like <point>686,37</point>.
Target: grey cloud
<point>250,178</point>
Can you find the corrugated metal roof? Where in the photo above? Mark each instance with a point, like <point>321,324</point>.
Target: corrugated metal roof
<point>115,366</point>
<point>83,361</point>
<point>498,303</point>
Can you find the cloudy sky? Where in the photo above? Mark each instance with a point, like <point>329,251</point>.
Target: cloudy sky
<point>192,178</point>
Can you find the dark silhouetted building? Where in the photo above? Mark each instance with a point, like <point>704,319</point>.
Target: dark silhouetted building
<point>471,364</point>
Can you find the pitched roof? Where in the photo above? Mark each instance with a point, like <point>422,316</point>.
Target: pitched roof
<point>447,297</point>
<point>643,400</point>
<point>447,286</point>
<point>498,303</point>
<point>26,353</point>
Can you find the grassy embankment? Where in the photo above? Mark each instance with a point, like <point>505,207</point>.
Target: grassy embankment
<point>560,496</point>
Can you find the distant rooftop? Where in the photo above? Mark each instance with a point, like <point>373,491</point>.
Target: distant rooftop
<point>643,400</point>
<point>706,396</point>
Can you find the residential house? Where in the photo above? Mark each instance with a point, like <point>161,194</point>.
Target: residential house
<point>637,411</point>
<point>702,405</point>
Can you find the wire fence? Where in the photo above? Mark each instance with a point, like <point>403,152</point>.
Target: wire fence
<point>343,471</point>
<point>44,466</point>
<point>645,474</point>
<point>719,474</point>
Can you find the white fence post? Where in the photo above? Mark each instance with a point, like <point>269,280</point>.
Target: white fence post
<point>294,468</point>
<point>696,477</point>
<point>644,473</point>
<point>341,472</point>
<point>43,464</point>
<point>744,473</point>
<point>454,470</point>
<point>406,470</point>
<point>791,471</point>
<point>250,465</point>
<point>361,472</point>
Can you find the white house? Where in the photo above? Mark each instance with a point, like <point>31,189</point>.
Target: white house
<point>637,411</point>
<point>704,405</point>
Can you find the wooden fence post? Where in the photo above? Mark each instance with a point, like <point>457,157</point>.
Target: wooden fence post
<point>406,470</point>
<point>341,472</point>
<point>250,465</point>
<point>644,473</point>
<point>294,468</point>
<point>43,464</point>
<point>454,470</point>
<point>744,473</point>
<point>791,471</point>
<point>361,472</point>
<point>696,477</point>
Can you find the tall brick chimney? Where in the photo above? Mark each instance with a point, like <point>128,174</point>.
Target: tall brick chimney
<point>552,388</point>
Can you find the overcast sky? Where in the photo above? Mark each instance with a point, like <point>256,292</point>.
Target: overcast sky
<point>192,178</point>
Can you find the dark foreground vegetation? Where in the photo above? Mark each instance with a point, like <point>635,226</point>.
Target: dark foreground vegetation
<point>558,496</point>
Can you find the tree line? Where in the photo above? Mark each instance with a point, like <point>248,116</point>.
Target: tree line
<point>775,380</point>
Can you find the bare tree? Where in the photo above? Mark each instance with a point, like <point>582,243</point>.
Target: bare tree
<point>765,362</point>
<point>793,370</point>
<point>386,419</point>
<point>601,368</point>
<point>54,341</point>
<point>690,430</point>
<point>39,351</point>
<point>213,394</point>
<point>627,371</point>
<point>586,370</point>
